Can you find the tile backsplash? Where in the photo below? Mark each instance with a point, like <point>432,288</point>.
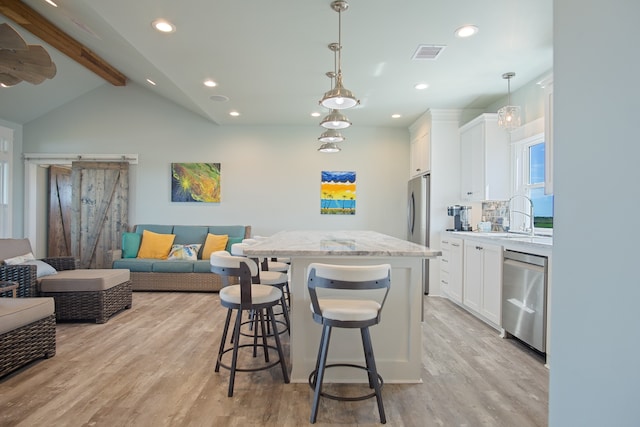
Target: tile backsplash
<point>495,211</point>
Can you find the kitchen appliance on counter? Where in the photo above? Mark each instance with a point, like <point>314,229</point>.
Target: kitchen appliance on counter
<point>524,297</point>
<point>461,217</point>
<point>418,219</point>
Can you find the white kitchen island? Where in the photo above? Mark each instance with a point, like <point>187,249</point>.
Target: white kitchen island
<point>397,340</point>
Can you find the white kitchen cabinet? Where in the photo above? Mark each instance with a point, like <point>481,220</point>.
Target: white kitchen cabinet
<point>483,279</point>
<point>484,160</point>
<point>420,155</point>
<point>451,268</point>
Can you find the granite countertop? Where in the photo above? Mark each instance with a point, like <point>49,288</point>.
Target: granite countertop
<point>331,243</point>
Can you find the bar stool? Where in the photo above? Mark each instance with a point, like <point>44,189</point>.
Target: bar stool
<point>248,297</point>
<point>357,295</point>
<point>273,278</point>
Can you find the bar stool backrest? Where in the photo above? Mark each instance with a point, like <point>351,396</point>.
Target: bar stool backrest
<point>349,278</point>
<point>227,265</point>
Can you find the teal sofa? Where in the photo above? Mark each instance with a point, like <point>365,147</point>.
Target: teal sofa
<point>178,275</point>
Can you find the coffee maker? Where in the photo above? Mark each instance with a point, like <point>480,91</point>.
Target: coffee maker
<point>461,217</point>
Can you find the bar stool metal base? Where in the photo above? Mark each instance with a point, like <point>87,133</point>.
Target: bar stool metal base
<point>312,384</point>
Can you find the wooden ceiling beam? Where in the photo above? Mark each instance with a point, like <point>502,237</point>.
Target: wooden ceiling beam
<point>40,27</point>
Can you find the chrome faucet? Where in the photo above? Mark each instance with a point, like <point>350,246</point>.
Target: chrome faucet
<point>529,214</point>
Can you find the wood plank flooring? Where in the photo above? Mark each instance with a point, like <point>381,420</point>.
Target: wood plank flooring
<point>153,365</point>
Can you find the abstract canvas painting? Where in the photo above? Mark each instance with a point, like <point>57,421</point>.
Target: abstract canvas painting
<point>338,193</point>
<point>195,182</point>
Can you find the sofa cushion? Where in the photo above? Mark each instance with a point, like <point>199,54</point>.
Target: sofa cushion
<point>229,230</point>
<point>156,228</point>
<point>155,245</point>
<point>173,266</point>
<point>84,280</point>
<point>202,266</point>
<point>187,234</point>
<point>18,312</point>
<point>130,244</point>
<point>137,265</point>
<point>10,248</point>
<point>214,243</point>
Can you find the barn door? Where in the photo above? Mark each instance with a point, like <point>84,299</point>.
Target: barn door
<point>100,210</point>
<point>59,240</point>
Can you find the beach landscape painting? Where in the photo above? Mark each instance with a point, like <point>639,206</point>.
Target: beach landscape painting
<point>338,193</point>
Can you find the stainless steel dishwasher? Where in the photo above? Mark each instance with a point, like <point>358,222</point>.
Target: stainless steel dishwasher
<point>524,297</point>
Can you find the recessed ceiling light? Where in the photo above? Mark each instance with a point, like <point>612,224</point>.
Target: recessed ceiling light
<point>163,26</point>
<point>315,114</point>
<point>234,113</point>
<point>210,83</point>
<point>396,116</point>
<point>421,86</point>
<point>51,3</point>
<point>151,82</point>
<point>466,31</point>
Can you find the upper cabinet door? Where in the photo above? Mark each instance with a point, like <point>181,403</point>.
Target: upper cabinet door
<point>484,160</point>
<point>420,154</point>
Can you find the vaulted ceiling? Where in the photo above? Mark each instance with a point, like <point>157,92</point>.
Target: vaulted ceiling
<point>269,59</point>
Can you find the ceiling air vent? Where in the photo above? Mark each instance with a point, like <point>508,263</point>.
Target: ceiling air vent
<point>427,51</point>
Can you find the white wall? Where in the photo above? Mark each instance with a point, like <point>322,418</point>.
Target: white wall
<point>270,174</point>
<point>595,374</point>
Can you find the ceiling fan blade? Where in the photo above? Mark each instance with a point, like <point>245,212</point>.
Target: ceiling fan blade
<point>25,73</point>
<point>10,39</point>
<point>50,71</point>
<point>34,55</point>
<point>9,80</point>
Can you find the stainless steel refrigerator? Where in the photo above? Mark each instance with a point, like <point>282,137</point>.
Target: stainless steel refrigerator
<point>418,219</point>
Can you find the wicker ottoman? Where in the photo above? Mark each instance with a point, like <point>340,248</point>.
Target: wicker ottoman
<point>88,294</point>
<point>27,331</point>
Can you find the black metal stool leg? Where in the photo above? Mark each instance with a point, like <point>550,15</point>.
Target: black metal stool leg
<point>225,330</point>
<point>264,328</point>
<point>285,372</point>
<point>234,360</point>
<point>321,364</point>
<point>373,371</point>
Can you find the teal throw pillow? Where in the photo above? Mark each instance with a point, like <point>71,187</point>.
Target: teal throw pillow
<point>233,240</point>
<point>130,244</point>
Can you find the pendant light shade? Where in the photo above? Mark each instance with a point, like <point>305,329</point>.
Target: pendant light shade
<point>335,120</point>
<point>509,115</point>
<point>329,147</point>
<point>339,97</point>
<point>331,135</point>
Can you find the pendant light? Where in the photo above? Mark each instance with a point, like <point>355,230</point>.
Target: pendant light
<point>339,97</point>
<point>335,119</point>
<point>329,147</point>
<point>509,115</point>
<point>331,135</point>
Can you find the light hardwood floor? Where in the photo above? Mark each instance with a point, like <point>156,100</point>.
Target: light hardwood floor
<point>152,365</point>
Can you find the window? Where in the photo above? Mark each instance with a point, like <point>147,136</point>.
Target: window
<point>530,173</point>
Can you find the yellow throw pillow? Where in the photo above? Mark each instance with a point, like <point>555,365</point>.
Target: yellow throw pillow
<point>214,243</point>
<point>155,245</point>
